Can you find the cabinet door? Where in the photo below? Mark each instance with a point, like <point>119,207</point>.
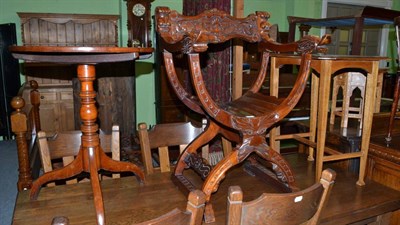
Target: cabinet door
<point>67,121</point>
<point>56,108</point>
<point>49,117</point>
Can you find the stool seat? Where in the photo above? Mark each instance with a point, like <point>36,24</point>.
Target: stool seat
<point>348,82</point>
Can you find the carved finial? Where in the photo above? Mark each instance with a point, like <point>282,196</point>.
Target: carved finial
<point>187,45</point>
<point>309,43</point>
<point>34,85</point>
<point>60,220</point>
<point>17,103</point>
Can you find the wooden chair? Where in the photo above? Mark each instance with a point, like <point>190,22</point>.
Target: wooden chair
<point>302,207</point>
<point>397,85</point>
<point>65,146</point>
<point>161,137</point>
<point>252,114</point>
<point>192,216</point>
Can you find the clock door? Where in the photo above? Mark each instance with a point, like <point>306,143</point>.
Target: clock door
<point>139,24</point>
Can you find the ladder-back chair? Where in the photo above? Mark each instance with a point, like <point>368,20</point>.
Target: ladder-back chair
<point>253,113</point>
<point>302,207</point>
<point>64,146</point>
<point>162,137</point>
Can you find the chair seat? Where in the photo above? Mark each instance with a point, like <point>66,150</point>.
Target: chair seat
<point>253,105</point>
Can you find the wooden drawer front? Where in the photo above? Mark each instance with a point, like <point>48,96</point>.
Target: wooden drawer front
<point>48,97</point>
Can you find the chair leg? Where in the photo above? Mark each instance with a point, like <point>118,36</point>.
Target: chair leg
<point>394,108</point>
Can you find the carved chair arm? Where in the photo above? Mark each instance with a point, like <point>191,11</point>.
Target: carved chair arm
<point>307,44</point>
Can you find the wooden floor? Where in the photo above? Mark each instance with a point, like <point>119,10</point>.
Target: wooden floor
<point>127,202</point>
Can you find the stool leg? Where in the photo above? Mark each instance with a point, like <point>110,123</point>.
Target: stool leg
<point>335,92</point>
<point>394,108</point>
<point>346,104</point>
<point>361,112</point>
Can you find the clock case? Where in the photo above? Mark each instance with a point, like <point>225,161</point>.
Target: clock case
<point>139,27</point>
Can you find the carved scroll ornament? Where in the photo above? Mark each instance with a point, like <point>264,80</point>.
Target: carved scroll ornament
<point>212,26</point>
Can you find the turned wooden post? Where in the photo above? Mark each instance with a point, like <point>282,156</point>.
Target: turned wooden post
<point>19,127</point>
<point>90,138</point>
<point>304,29</point>
<point>60,220</point>
<point>35,101</point>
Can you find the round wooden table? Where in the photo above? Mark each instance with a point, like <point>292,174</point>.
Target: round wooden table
<point>91,157</point>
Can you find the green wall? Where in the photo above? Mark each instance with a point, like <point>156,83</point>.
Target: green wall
<point>280,9</point>
<point>145,94</point>
<point>145,76</point>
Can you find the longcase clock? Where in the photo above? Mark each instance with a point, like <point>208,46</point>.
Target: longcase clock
<point>139,24</point>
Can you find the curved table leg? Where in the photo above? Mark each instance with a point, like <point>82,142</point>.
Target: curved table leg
<point>111,165</point>
<point>72,169</point>
<point>95,182</point>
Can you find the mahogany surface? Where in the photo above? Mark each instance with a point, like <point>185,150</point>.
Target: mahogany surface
<point>384,162</point>
<point>91,157</point>
<point>127,202</point>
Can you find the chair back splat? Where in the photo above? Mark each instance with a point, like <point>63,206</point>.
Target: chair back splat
<point>164,137</point>
<point>302,207</point>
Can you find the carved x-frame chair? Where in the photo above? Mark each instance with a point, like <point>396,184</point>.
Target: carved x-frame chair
<point>250,115</point>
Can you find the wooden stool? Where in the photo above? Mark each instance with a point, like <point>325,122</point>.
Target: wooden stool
<point>348,82</point>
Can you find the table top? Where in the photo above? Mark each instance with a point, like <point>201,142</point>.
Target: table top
<point>75,54</point>
<point>127,202</point>
<point>372,16</point>
<point>334,57</point>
